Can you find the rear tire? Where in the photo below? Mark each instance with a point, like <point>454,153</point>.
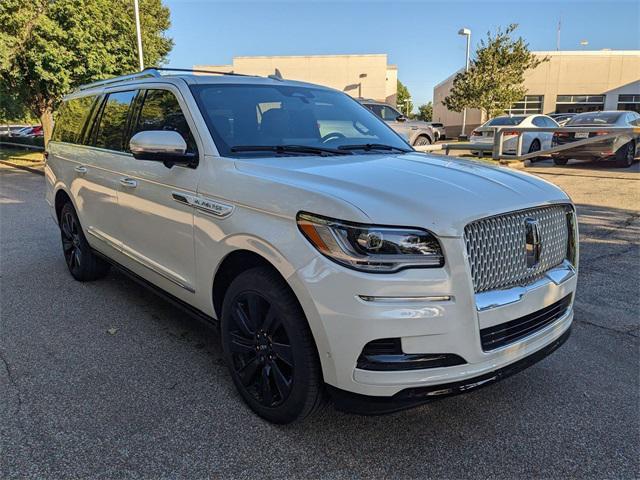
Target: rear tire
<point>625,155</point>
<point>534,147</point>
<point>560,161</point>
<point>82,263</point>
<point>269,348</point>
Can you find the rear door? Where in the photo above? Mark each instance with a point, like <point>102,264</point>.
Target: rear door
<point>103,159</point>
<point>157,234</point>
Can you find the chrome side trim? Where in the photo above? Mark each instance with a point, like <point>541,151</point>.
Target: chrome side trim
<point>103,237</point>
<point>370,299</point>
<point>499,298</point>
<point>157,270</point>
<point>215,208</point>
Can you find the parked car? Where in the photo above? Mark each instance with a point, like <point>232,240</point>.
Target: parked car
<point>22,132</point>
<point>531,141</point>
<point>36,131</point>
<point>10,130</point>
<point>622,149</point>
<point>415,132</point>
<point>334,258</point>
<point>439,130</point>
<point>562,118</point>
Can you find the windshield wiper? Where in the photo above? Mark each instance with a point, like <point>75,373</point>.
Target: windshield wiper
<point>302,149</point>
<point>373,146</point>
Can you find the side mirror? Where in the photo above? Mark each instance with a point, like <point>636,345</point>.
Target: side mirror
<point>164,146</point>
<point>401,118</point>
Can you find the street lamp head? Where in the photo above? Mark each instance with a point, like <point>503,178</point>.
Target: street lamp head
<point>464,31</point>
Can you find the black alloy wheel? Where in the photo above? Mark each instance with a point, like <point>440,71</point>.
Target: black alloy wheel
<point>269,349</point>
<point>71,241</point>
<point>83,264</point>
<point>260,349</point>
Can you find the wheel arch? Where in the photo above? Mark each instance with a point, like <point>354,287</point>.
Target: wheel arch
<point>61,197</point>
<point>247,256</point>
<point>422,134</point>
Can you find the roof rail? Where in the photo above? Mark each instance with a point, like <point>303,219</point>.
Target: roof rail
<point>154,72</point>
<point>147,72</point>
<point>193,70</point>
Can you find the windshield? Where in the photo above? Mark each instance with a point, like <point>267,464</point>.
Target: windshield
<point>504,121</point>
<point>245,118</point>
<point>594,118</point>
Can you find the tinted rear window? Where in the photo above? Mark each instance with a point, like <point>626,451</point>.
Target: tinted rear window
<point>594,118</point>
<point>71,118</point>
<point>505,121</point>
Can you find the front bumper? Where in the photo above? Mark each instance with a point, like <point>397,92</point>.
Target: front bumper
<point>432,311</point>
<point>368,405</point>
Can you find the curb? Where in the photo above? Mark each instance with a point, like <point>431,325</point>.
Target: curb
<point>23,167</point>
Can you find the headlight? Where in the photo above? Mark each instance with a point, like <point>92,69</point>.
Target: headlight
<point>371,248</point>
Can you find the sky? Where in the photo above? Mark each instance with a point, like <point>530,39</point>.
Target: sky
<point>420,37</point>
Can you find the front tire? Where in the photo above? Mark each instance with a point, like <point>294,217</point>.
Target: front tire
<point>625,155</point>
<point>560,161</point>
<point>269,349</point>
<point>421,141</point>
<point>82,263</point>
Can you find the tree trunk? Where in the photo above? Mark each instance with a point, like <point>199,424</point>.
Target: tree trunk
<point>46,119</point>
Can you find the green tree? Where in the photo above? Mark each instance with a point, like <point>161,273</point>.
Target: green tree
<point>496,75</point>
<point>425,112</point>
<point>402,97</point>
<point>47,48</point>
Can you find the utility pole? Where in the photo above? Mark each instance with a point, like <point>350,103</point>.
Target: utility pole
<point>138,33</point>
<point>558,34</point>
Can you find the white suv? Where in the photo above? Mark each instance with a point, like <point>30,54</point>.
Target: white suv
<point>335,259</point>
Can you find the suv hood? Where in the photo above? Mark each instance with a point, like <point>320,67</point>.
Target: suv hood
<point>440,193</point>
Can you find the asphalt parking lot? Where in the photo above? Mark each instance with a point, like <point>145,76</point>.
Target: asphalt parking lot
<point>106,380</point>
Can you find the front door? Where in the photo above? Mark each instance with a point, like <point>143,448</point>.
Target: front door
<point>157,230</point>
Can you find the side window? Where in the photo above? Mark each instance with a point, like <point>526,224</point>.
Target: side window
<point>71,119</point>
<point>377,109</point>
<point>113,121</point>
<point>161,111</point>
<point>389,114</point>
<point>539,122</point>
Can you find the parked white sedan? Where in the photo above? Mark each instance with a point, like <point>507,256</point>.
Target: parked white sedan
<point>531,142</point>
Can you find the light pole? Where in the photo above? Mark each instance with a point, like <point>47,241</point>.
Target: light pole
<point>138,33</point>
<point>465,32</point>
<point>361,76</point>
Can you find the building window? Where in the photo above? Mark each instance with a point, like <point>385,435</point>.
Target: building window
<point>579,103</point>
<point>530,104</point>
<point>629,102</point>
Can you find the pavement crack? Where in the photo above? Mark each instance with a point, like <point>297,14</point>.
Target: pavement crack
<point>13,382</point>
<point>629,333</point>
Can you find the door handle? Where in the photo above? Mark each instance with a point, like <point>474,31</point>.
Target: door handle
<point>81,169</point>
<point>129,183</point>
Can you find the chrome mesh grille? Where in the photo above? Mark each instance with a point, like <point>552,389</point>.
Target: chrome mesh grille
<point>496,246</point>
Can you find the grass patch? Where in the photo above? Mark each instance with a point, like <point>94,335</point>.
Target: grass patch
<point>21,155</point>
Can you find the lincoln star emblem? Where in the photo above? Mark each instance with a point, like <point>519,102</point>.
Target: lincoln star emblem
<point>532,248</point>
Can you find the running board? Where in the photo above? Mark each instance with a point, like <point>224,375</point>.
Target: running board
<point>175,301</point>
